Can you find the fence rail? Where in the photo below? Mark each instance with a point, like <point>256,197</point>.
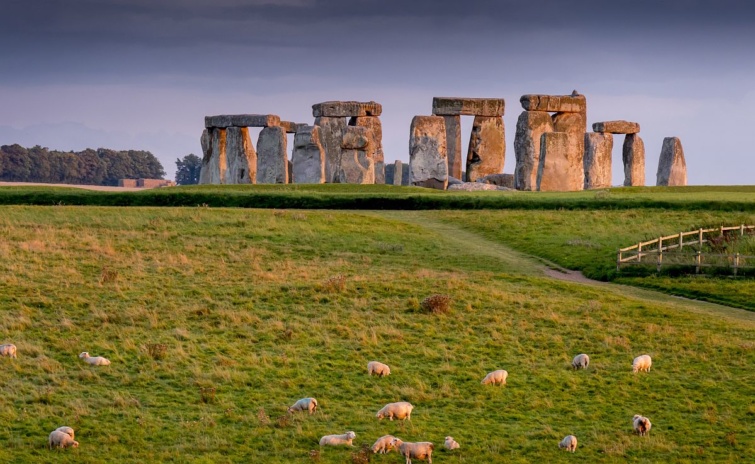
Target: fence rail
<point>659,252</point>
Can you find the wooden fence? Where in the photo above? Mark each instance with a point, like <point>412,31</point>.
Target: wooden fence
<point>659,251</point>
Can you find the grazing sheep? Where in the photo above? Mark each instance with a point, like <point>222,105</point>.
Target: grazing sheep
<point>383,445</point>
<point>420,450</point>
<point>304,404</point>
<point>378,368</point>
<point>66,430</point>
<point>401,410</point>
<point>642,363</point>
<point>451,444</point>
<point>337,440</point>
<point>61,440</point>
<point>94,360</point>
<point>641,425</point>
<point>569,443</point>
<point>580,361</point>
<point>8,350</point>
<point>496,378</point>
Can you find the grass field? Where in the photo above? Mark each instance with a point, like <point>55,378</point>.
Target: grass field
<point>250,303</point>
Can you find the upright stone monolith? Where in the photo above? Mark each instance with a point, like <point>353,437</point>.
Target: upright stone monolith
<point>406,174</point>
<point>598,150</point>
<point>399,172</point>
<point>390,169</point>
<point>241,157</point>
<point>672,167</point>
<point>487,147</point>
<point>529,129</point>
<point>216,165</point>
<point>561,168</point>
<point>272,161</point>
<point>375,128</point>
<point>308,158</point>
<point>453,144</point>
<point>633,157</point>
<point>357,165</point>
<point>427,152</point>
<point>206,142</point>
<point>331,133</point>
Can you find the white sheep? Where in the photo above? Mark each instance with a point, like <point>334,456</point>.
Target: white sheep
<point>304,404</point>
<point>569,443</point>
<point>60,439</point>
<point>337,440</point>
<point>451,444</point>
<point>66,430</point>
<point>401,410</point>
<point>580,361</point>
<point>8,349</point>
<point>378,368</point>
<point>420,450</point>
<point>94,360</point>
<point>641,363</point>
<point>383,445</point>
<point>641,425</point>
<point>496,378</point>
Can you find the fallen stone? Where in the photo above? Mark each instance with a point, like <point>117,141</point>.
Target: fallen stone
<point>206,142</point>
<point>598,151</point>
<point>272,162</point>
<point>455,106</point>
<point>453,144</point>
<point>561,167</point>
<point>454,180</point>
<point>308,157</point>
<point>554,103</point>
<point>241,157</point>
<point>672,167</point>
<point>487,148</point>
<point>529,128</point>
<point>475,187</point>
<point>633,157</point>
<point>242,120</point>
<point>331,134</point>
<point>501,180</point>
<point>375,131</point>
<point>345,109</point>
<point>390,169</point>
<point>427,152</point>
<point>616,127</point>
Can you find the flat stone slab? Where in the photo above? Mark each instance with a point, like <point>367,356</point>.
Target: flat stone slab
<point>242,120</point>
<point>475,187</point>
<point>292,127</point>
<point>554,103</point>
<point>345,109</point>
<point>616,127</point>
<point>456,106</point>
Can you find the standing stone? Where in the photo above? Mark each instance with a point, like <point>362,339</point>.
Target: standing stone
<point>633,156</point>
<point>561,168</point>
<point>372,123</point>
<point>241,157</point>
<point>206,142</point>
<point>272,162</point>
<point>529,128</point>
<point>672,167</point>
<point>357,165</point>
<point>290,171</point>
<point>399,173</point>
<point>309,157</point>
<point>216,165</point>
<point>487,148</point>
<point>453,143</point>
<point>331,133</point>
<point>390,170</point>
<point>598,150</point>
<point>427,152</point>
<point>406,175</point>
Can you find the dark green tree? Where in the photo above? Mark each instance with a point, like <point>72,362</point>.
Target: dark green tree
<point>187,169</point>
<point>16,163</point>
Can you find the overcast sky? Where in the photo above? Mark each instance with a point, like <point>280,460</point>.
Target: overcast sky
<point>142,74</point>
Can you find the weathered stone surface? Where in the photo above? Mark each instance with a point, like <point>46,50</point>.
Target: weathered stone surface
<point>501,180</point>
<point>487,148</point>
<point>616,127</point>
<point>309,157</point>
<point>598,150</point>
<point>454,180</point>
<point>454,106</point>
<point>400,172</point>
<point>291,127</point>
<point>390,169</point>
<point>206,142</point>
<point>554,103</point>
<point>633,156</point>
<point>272,162</point>
<point>474,187</point>
<point>345,109</point>
<point>290,172</point>
<point>216,164</point>
<point>375,130</point>
<point>672,167</point>
<point>529,128</point>
<point>331,134</point>
<point>355,138</point>
<point>406,174</point>
<point>561,167</point>
<point>573,123</point>
<point>427,152</point>
<point>356,164</point>
<point>241,157</point>
<point>453,144</point>
<point>242,120</point>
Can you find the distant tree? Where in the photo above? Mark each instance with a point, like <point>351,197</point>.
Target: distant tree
<point>187,170</point>
<point>16,163</point>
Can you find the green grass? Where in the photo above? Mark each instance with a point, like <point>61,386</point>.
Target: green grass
<point>241,301</point>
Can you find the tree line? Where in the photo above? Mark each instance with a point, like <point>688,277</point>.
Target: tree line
<point>93,167</point>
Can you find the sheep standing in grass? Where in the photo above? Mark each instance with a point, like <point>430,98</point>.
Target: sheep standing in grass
<point>580,361</point>
<point>420,450</point>
<point>641,425</point>
<point>641,363</point>
<point>569,443</point>
<point>451,444</point>
<point>94,360</point>
<point>337,440</point>
<point>383,445</point>
<point>378,368</point>
<point>66,430</point>
<point>401,410</point>
<point>8,350</point>
<point>496,378</point>
<point>304,404</point>
<point>61,440</point>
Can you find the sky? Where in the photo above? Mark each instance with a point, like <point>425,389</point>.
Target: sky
<point>142,74</point>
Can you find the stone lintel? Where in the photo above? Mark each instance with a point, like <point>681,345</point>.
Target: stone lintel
<point>616,127</point>
<point>554,103</point>
<point>242,120</point>
<point>456,106</point>
<point>345,109</point>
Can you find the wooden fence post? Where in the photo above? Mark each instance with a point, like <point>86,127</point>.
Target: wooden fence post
<point>697,259</point>
<point>742,230</point>
<point>700,238</point>
<point>736,263</point>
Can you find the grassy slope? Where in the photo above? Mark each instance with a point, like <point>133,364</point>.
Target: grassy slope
<point>238,297</point>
